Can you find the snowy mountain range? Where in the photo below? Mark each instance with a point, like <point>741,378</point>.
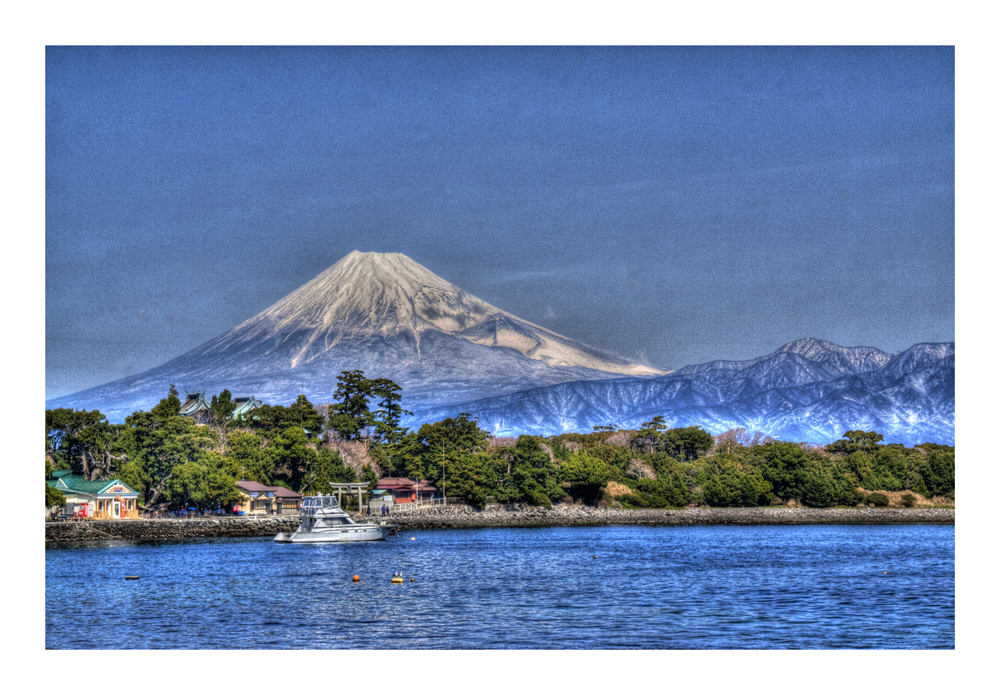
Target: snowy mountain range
<point>381,313</point>
<point>451,352</point>
<point>807,391</point>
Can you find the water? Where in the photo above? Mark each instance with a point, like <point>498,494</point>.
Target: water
<point>756,587</point>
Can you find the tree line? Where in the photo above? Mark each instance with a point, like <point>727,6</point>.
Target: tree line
<point>172,459</point>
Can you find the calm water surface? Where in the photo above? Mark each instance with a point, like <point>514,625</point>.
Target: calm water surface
<point>763,587</point>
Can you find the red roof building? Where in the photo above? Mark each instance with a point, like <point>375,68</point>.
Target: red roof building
<point>405,490</point>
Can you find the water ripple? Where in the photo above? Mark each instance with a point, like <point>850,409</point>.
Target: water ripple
<point>801,587</point>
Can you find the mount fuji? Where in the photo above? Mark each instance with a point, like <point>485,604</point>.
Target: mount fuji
<point>381,313</point>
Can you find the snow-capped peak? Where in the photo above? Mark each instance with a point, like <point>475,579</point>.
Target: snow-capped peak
<point>389,294</point>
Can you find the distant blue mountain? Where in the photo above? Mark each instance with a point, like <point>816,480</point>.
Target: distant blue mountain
<point>807,391</point>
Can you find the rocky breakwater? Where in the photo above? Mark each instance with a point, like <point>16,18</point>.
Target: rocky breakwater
<point>516,516</point>
<point>148,529</point>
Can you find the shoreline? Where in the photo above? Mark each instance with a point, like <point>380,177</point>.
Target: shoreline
<point>498,516</point>
<point>519,516</point>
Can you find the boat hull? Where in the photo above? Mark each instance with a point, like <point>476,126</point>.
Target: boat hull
<point>352,533</point>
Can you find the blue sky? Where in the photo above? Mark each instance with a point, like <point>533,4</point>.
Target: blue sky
<point>673,205</point>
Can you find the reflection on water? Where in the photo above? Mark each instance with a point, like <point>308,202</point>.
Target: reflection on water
<point>649,588</point>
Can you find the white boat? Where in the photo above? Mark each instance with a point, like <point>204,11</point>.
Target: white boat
<point>321,520</point>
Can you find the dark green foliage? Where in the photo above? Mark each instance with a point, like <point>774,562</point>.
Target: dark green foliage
<point>652,436</point>
<point>247,459</point>
<point>783,465</point>
<point>454,434</point>
<point>941,478</point>
<point>294,459</point>
<point>328,467</point>
<point>168,457</point>
<point>616,457</point>
<point>635,499</point>
<point>204,483</point>
<point>684,443</point>
<point>158,441</point>
<point>856,440</point>
<point>222,408</point>
<point>584,475</point>
<point>560,450</point>
<point>908,500</point>
<point>732,486</point>
<point>688,443</point>
<point>663,464</point>
<point>369,476</point>
<point>533,473</point>
<point>271,420</point>
<point>878,499</point>
<point>351,416</point>
<point>819,488</point>
<point>666,491</point>
<point>53,497</point>
<point>304,414</point>
<point>472,477</point>
<point>83,441</point>
<point>167,407</point>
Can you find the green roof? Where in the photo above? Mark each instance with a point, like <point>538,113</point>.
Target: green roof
<point>77,483</point>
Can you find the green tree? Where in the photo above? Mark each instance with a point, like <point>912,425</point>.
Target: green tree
<point>203,483</point>
<point>856,440</point>
<point>271,420</point>
<point>472,477</point>
<point>222,408</point>
<point>247,459</point>
<point>688,443</point>
<point>584,475</point>
<point>819,488</point>
<point>160,440</point>
<point>369,476</point>
<point>351,416</point>
<point>534,474</point>
<point>941,479</point>
<point>53,497</point>
<point>293,458</point>
<point>783,465</point>
<point>733,485</point>
<point>454,434</point>
<point>83,441</point>
<point>327,467</point>
<point>652,437</point>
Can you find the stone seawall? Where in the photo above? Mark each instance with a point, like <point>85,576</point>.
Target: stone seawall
<point>148,529</point>
<point>495,516</point>
<point>508,516</point>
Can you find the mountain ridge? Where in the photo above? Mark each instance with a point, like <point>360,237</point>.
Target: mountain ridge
<point>910,398</point>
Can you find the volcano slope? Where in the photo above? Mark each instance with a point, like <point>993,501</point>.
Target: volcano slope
<point>381,313</point>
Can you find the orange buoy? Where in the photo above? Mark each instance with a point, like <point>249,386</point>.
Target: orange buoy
<point>413,538</point>
<point>356,578</point>
<point>412,579</point>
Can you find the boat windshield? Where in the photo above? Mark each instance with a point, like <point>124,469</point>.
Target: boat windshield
<point>316,502</point>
